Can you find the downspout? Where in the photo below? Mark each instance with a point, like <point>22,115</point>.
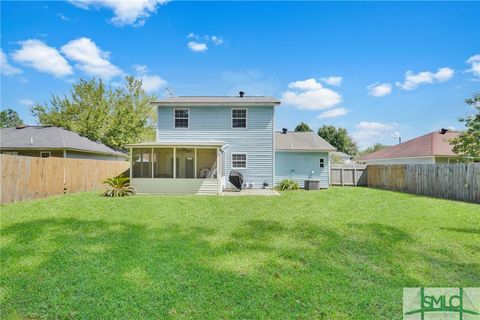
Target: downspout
<point>64,172</point>
<point>174,162</point>
<point>131,163</point>
<point>273,148</point>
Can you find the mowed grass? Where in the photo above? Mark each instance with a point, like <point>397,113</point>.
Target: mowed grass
<point>342,253</point>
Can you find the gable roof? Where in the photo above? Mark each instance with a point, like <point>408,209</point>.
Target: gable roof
<point>38,137</point>
<point>432,144</point>
<point>301,141</point>
<point>216,101</point>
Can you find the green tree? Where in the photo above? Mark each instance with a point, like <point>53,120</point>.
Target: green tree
<point>114,117</point>
<point>467,144</point>
<point>302,127</point>
<point>339,138</point>
<point>9,118</point>
<point>372,149</point>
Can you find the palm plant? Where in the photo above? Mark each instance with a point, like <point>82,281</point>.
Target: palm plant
<point>118,187</point>
<point>287,184</point>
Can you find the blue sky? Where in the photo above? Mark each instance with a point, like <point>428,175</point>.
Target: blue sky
<point>379,69</point>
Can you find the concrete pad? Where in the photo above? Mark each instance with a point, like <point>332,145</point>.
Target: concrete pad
<point>251,192</point>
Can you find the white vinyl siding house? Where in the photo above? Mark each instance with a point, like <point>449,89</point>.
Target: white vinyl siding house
<point>302,156</point>
<point>200,140</point>
<point>301,166</point>
<point>215,123</point>
<point>239,130</point>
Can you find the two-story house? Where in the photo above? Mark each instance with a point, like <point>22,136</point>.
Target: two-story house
<point>201,139</point>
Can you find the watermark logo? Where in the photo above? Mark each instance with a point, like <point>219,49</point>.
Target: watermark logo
<point>441,303</point>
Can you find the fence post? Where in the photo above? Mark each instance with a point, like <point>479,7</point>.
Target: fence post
<point>355,175</point>
<point>341,176</point>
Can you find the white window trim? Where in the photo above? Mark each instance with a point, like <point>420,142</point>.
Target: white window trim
<point>246,118</point>
<point>49,154</point>
<point>320,163</point>
<point>174,109</point>
<point>246,160</point>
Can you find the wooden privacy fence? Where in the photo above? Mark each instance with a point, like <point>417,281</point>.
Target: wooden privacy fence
<point>448,181</point>
<point>27,178</point>
<point>348,175</point>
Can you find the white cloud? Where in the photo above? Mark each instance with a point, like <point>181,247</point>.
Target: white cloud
<point>333,81</point>
<point>311,95</point>
<point>26,102</point>
<point>197,46</point>
<point>216,40</point>
<point>337,112</point>
<point>369,133</point>
<point>126,12</point>
<point>150,83</point>
<point>63,17</point>
<point>5,67</point>
<point>199,43</point>
<point>91,59</point>
<point>374,126</point>
<point>140,68</point>
<point>412,81</point>
<point>474,62</point>
<point>36,54</point>
<point>309,84</point>
<point>379,89</point>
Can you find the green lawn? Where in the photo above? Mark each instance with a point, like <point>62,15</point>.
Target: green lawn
<point>343,253</point>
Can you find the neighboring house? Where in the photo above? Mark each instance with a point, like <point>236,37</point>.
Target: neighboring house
<point>341,158</point>
<point>433,148</point>
<point>45,141</point>
<point>201,139</point>
<point>301,156</point>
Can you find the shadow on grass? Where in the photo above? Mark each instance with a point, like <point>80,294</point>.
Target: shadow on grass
<point>70,268</point>
<point>464,230</point>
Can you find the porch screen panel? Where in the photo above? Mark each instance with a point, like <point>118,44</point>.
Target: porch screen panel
<point>141,166</point>
<point>206,163</point>
<point>163,163</point>
<point>185,163</point>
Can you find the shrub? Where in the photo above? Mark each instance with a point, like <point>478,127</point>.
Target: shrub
<point>287,184</point>
<point>118,187</point>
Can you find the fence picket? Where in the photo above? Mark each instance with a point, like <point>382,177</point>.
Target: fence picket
<point>27,178</point>
<point>449,181</point>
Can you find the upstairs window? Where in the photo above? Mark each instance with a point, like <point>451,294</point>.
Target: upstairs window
<point>239,118</point>
<point>45,154</point>
<point>322,163</point>
<point>181,118</point>
<point>239,160</point>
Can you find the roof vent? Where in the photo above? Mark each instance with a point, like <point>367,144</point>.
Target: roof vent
<point>20,126</point>
<point>443,131</point>
<point>241,93</point>
<point>284,131</point>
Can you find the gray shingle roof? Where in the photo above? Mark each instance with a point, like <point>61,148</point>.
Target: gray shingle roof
<point>216,100</point>
<point>35,137</point>
<point>307,141</point>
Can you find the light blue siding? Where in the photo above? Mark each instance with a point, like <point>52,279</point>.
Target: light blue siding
<point>299,165</point>
<point>215,123</point>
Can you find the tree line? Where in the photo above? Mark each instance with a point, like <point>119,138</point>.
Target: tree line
<point>122,115</point>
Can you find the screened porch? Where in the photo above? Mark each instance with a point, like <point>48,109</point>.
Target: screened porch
<point>167,168</point>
